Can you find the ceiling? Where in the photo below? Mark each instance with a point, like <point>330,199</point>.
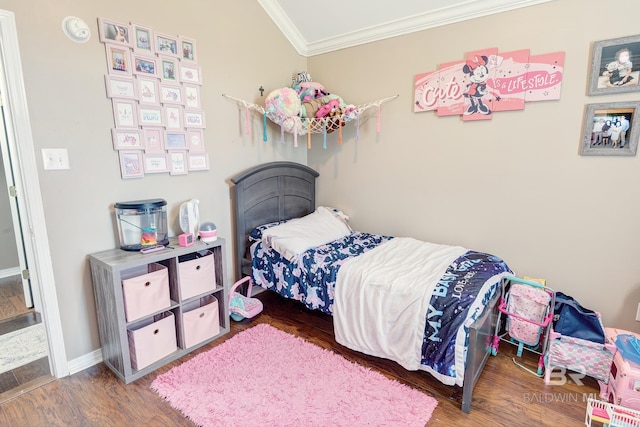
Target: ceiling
<point>338,24</point>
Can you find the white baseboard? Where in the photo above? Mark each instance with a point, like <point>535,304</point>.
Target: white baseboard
<point>8,272</point>
<point>83,362</point>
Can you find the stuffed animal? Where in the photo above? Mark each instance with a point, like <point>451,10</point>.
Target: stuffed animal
<point>328,108</point>
<point>310,108</point>
<point>283,103</point>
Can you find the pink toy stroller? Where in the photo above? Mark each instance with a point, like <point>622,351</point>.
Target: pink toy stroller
<point>528,306</point>
<point>243,307</point>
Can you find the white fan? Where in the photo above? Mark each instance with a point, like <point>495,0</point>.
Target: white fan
<point>190,217</point>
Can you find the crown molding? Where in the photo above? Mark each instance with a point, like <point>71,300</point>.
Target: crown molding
<point>437,18</point>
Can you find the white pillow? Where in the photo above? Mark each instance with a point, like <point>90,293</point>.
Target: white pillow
<point>298,235</point>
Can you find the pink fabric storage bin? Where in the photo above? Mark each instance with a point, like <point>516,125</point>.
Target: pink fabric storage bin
<point>153,340</point>
<point>201,322</point>
<point>145,291</point>
<point>197,276</point>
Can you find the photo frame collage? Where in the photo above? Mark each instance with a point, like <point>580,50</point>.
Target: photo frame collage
<point>613,128</point>
<point>154,83</point>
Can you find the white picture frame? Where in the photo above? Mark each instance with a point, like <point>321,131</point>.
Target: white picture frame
<point>147,91</point>
<point>120,87</point>
<point>178,163</point>
<point>198,161</point>
<point>156,163</point>
<point>194,119</point>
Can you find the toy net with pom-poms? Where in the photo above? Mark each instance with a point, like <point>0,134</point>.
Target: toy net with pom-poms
<point>297,125</point>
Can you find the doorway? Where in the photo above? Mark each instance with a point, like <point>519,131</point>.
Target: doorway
<point>24,353</point>
<point>19,151</point>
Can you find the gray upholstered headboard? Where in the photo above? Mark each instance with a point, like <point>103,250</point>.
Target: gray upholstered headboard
<point>266,193</point>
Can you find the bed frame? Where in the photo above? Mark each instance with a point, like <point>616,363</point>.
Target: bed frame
<point>284,190</point>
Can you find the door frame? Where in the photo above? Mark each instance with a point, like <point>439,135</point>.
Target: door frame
<point>25,172</point>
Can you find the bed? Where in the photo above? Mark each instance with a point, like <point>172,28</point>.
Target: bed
<point>424,284</point>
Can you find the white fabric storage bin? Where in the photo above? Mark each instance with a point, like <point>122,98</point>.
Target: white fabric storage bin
<point>201,321</point>
<point>145,291</point>
<point>154,339</point>
<point>197,276</point>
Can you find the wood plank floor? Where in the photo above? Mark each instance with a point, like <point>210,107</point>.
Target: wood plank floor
<point>505,395</point>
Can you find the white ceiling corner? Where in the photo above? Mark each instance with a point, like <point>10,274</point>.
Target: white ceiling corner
<point>345,23</point>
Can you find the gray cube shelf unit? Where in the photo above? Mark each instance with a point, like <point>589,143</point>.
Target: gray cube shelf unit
<point>196,285</point>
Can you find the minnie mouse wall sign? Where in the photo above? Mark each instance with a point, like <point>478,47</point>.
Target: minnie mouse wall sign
<point>487,82</point>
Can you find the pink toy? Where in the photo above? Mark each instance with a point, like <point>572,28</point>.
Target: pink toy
<point>240,306</point>
<point>624,378</point>
<point>326,109</point>
<point>528,306</point>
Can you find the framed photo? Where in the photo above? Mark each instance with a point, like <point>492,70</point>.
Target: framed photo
<point>131,164</point>
<point>192,96</point>
<point>147,91</point>
<point>616,66</point>
<point>156,163</point>
<point>195,140</point>
<point>173,115</point>
<point>175,140</point>
<point>142,39</point>
<point>168,69</point>
<point>171,94</point>
<point>120,87</point>
<point>611,129</point>
<point>187,49</point>
<point>149,115</point>
<point>167,45</point>
<point>198,161</point>
<point>178,162</point>
<point>190,73</point>
<point>118,60</point>
<point>145,66</point>
<point>114,32</point>
<point>194,119</point>
<point>125,113</point>
<point>153,140</point>
<point>126,139</point>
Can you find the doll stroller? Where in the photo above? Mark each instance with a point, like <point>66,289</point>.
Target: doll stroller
<point>528,307</point>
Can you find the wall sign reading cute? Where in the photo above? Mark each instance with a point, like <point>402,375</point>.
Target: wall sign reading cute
<point>487,82</point>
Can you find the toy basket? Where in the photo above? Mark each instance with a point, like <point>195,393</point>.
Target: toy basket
<point>243,307</point>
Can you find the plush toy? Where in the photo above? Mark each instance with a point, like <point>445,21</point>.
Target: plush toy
<point>302,76</point>
<point>330,107</point>
<point>283,103</point>
<point>310,108</point>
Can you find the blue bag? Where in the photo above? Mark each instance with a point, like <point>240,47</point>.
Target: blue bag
<point>572,319</point>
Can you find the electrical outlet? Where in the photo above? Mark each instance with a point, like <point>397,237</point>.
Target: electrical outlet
<point>638,313</point>
<point>55,158</point>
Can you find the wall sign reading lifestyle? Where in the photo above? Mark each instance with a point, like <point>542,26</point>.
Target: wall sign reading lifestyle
<point>153,81</point>
<point>489,81</point>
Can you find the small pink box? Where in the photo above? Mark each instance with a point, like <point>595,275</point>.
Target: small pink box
<point>153,340</point>
<point>197,276</point>
<point>202,322</point>
<point>145,294</point>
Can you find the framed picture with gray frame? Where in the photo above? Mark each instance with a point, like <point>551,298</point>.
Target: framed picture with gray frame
<point>616,66</point>
<point>611,129</point>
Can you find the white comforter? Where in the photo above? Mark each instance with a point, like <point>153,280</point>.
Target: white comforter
<point>381,298</point>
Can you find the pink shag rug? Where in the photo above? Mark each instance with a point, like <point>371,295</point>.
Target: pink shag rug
<point>264,376</point>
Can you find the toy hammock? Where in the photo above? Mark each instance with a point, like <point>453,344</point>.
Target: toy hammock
<point>306,126</point>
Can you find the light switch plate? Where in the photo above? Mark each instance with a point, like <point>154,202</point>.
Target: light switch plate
<point>55,158</point>
<point>638,313</point>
